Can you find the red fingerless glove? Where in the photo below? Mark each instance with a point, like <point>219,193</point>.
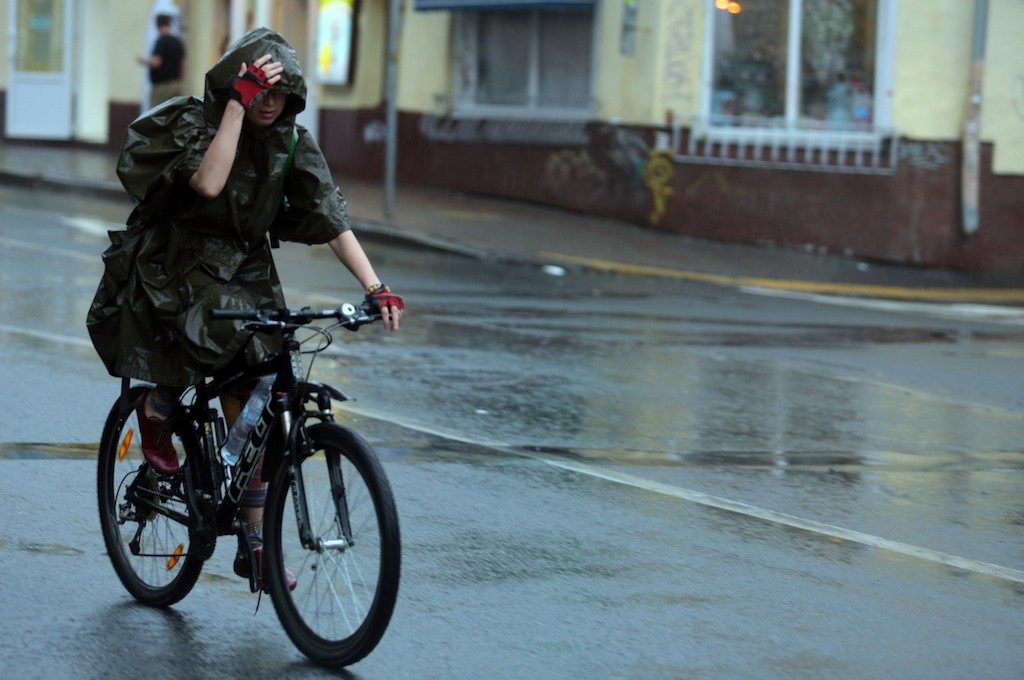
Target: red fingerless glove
<point>246,87</point>
<point>383,297</point>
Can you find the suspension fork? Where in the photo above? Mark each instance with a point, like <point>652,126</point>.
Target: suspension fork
<point>297,450</point>
<point>338,494</point>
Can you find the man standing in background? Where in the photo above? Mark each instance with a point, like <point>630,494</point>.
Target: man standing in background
<point>166,63</point>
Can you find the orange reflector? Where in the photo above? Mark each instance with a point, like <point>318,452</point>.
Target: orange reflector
<point>125,443</point>
<point>173,560</point>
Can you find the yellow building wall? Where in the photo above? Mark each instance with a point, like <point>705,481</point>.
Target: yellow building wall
<point>127,26</point>
<point>207,31</point>
<point>626,84</point>
<point>91,68</point>
<point>367,88</point>
<point>932,68</point>
<point>1002,108</point>
<point>680,59</point>
<point>425,62</point>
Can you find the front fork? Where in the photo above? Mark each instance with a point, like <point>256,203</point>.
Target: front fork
<point>298,450</point>
<point>294,455</point>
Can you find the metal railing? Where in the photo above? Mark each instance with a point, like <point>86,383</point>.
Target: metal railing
<point>844,151</point>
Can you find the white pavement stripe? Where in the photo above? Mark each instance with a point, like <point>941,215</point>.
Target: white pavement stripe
<point>737,507</point>
<point>43,335</point>
<point>953,310</point>
<point>91,225</point>
<point>51,250</point>
<point>965,563</point>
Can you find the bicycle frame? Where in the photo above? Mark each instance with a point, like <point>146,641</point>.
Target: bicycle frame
<point>212,489</point>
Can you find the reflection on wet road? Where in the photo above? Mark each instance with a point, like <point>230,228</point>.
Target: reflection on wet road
<point>557,447</point>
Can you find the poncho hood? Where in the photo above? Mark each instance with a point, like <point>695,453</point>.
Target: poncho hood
<point>248,49</point>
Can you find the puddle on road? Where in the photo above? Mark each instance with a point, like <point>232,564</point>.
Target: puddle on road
<point>50,549</point>
<point>433,447</point>
<point>44,450</point>
<point>938,461</point>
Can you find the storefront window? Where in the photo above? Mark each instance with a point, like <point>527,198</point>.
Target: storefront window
<point>794,63</point>
<point>564,69</point>
<point>526,62</point>
<point>503,49</point>
<point>838,63</point>
<point>40,36</point>
<point>750,63</point>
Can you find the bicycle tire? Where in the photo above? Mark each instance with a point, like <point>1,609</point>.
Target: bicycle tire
<point>154,581</point>
<point>367,488</point>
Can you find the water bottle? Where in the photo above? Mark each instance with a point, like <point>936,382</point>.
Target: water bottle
<point>242,428</point>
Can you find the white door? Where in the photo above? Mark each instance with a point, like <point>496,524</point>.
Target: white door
<point>39,69</point>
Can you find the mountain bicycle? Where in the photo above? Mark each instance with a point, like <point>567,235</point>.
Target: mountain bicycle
<point>344,544</point>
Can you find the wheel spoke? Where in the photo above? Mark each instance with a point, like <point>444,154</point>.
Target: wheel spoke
<point>334,592</point>
<point>337,595</point>
<point>123,470</point>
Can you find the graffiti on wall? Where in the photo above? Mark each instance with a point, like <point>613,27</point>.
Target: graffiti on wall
<point>610,168</point>
<point>503,131</point>
<point>375,132</point>
<point>573,166</point>
<point>618,166</point>
<point>924,155</point>
<point>658,173</point>
<point>680,56</point>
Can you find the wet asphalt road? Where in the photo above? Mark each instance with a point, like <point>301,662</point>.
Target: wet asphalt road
<point>902,426</point>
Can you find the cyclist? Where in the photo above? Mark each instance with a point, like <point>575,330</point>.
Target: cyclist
<point>210,178</point>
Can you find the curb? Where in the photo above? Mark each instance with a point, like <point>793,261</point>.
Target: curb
<point>373,229</point>
<point>44,180</point>
<point>1013,297</point>
<point>382,232</point>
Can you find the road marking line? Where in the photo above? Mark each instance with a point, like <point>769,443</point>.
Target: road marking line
<point>90,225</point>
<point>50,250</point>
<point>997,313</point>
<point>813,526</point>
<point>736,507</point>
<point>43,335</point>
<point>992,295</point>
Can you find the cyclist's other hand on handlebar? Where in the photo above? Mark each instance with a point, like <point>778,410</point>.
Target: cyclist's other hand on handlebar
<point>390,305</point>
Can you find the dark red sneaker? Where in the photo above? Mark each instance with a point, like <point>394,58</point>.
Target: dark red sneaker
<point>156,442</point>
<point>242,567</point>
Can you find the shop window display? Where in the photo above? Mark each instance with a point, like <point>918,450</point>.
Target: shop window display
<point>832,61</point>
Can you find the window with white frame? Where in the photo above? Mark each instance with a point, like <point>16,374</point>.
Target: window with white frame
<point>528,62</point>
<point>797,64</point>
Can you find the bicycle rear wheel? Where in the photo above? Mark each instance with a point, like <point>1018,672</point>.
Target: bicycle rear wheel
<point>347,584</point>
<point>149,551</point>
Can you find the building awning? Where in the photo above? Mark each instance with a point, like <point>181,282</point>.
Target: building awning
<point>423,5</point>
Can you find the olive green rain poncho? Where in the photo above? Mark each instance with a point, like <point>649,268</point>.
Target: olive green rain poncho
<point>183,255</point>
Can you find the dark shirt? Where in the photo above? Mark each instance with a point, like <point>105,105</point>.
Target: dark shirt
<point>172,51</point>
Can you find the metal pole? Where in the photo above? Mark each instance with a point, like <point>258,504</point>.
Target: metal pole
<point>391,87</point>
<point>970,170</point>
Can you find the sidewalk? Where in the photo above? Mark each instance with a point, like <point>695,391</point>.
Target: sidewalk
<point>501,230</point>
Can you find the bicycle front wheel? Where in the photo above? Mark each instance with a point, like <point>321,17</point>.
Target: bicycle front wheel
<point>149,550</point>
<point>348,578</point>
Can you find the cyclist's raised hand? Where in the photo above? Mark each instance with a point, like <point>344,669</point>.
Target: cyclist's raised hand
<point>390,305</point>
<point>254,80</point>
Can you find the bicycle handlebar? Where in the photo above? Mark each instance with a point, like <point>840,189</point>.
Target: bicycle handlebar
<point>350,316</point>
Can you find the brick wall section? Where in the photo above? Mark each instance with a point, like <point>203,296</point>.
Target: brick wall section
<point>909,217</point>
<point>120,117</point>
